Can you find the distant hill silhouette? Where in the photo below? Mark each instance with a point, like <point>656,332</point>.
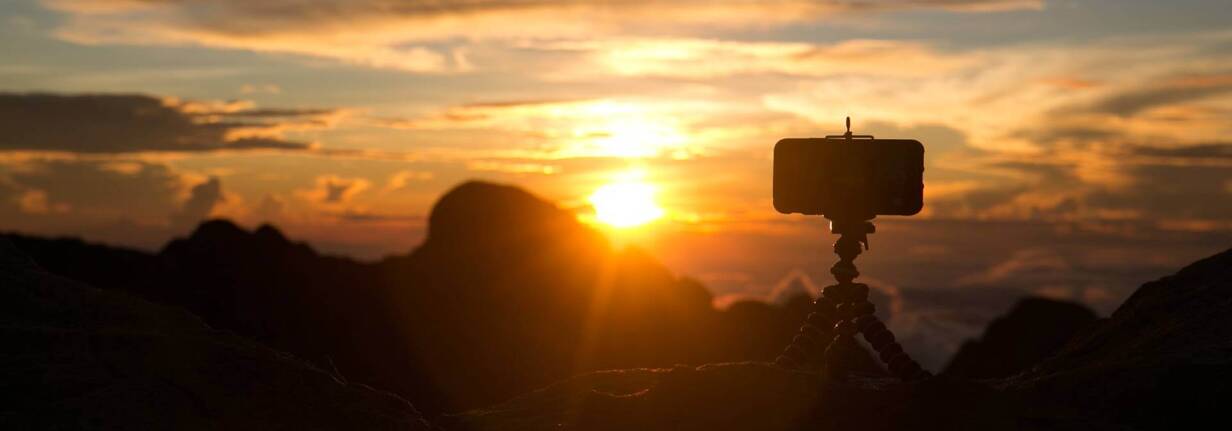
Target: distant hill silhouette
<point>1033,330</point>
<point>507,293</point>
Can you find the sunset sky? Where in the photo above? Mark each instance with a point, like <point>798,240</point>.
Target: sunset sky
<point>1074,148</point>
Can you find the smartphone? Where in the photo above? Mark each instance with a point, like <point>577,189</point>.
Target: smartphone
<point>849,178</point>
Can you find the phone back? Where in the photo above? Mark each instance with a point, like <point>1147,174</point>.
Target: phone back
<point>838,177</point>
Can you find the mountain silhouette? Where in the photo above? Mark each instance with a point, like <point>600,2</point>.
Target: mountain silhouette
<point>507,293</point>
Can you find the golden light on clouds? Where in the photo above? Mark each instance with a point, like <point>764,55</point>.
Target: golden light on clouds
<point>706,58</point>
<point>633,138</point>
<point>612,128</point>
<point>561,129</point>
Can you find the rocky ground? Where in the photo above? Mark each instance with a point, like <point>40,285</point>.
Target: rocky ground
<point>1162,360</point>
<point>76,357</point>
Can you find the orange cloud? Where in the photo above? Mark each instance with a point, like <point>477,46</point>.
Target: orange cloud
<point>401,179</point>
<point>707,58</point>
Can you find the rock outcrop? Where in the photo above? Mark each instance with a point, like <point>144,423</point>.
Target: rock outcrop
<point>76,357</point>
<point>1163,360</point>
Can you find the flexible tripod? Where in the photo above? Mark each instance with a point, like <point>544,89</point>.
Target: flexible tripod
<point>842,310</point>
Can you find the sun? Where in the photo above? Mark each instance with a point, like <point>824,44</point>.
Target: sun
<point>626,204</point>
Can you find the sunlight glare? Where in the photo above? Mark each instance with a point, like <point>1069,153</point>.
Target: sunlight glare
<point>622,129</point>
<point>625,204</point>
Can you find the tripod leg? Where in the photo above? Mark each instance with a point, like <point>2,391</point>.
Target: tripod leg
<point>813,338</point>
<point>855,314</point>
<point>888,350</point>
<point>836,358</point>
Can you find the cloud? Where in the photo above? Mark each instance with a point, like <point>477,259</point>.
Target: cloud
<point>110,123</point>
<point>512,167</point>
<point>100,189</point>
<point>402,179</point>
<point>270,208</point>
<point>332,189</point>
<point>10,199</point>
<point>1182,187</point>
<point>406,35</point>
<point>1172,192</point>
<point>486,114</point>
<point>201,201</point>
<point>126,201</point>
<point>1035,264</point>
<point>365,216</point>
<point>710,58</point>
<point>1197,153</point>
<point>1179,89</point>
<point>338,191</point>
<point>258,89</point>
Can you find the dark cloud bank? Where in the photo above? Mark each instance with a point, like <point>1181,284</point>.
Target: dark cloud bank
<point>110,123</point>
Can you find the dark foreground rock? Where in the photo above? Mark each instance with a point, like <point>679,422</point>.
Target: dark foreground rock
<point>76,357</point>
<point>1162,361</point>
<point>742,396</point>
